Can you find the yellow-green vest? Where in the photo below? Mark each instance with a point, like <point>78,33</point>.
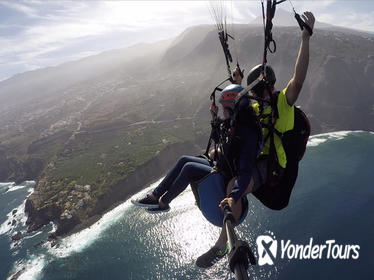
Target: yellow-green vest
<point>284,123</point>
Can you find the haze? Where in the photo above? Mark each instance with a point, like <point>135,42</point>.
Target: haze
<point>37,34</point>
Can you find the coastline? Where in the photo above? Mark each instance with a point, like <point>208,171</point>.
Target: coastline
<point>142,177</point>
<point>93,219</point>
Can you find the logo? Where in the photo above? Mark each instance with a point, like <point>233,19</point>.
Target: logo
<point>267,249</point>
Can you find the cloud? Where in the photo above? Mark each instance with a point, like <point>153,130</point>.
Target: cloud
<point>313,6</point>
<point>362,21</point>
<point>324,17</point>
<point>47,32</point>
<point>21,8</point>
<point>245,12</point>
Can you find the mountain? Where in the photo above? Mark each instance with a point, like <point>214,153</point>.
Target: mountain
<point>285,18</point>
<point>104,120</point>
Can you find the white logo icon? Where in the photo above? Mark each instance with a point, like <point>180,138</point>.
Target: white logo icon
<point>267,249</point>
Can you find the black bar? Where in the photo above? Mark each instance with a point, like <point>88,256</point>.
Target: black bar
<point>240,270</point>
<point>240,254</point>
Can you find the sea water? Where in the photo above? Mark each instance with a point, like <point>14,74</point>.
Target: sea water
<point>332,200</point>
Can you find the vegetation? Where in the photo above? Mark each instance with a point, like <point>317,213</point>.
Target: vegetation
<point>101,158</point>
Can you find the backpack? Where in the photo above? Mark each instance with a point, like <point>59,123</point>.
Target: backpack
<point>276,195</point>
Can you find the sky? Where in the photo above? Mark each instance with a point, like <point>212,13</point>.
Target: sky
<point>36,34</point>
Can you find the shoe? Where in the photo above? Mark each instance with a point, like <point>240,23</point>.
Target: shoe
<point>158,209</point>
<point>211,257</point>
<point>146,201</point>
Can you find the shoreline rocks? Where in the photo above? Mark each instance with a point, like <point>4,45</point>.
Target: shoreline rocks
<point>17,236</point>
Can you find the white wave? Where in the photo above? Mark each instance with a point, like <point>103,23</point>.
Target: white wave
<point>315,141</point>
<point>79,241</point>
<point>54,227</point>
<point>15,253</point>
<point>12,189</point>
<point>7,227</point>
<point>30,191</point>
<point>31,269</point>
<point>32,236</point>
<point>318,139</point>
<point>6,186</point>
<point>20,217</point>
<point>30,182</point>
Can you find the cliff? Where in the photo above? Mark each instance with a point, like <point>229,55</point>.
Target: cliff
<point>40,214</point>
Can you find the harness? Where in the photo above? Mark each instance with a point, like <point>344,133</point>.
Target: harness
<point>224,134</point>
<point>275,193</point>
<point>268,121</point>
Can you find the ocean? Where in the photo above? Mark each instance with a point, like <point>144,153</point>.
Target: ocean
<point>332,203</point>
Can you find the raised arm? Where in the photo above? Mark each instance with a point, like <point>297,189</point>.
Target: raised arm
<point>296,83</point>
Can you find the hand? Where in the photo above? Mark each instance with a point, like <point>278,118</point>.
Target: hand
<point>229,200</point>
<point>214,110</point>
<point>309,19</point>
<point>238,75</point>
